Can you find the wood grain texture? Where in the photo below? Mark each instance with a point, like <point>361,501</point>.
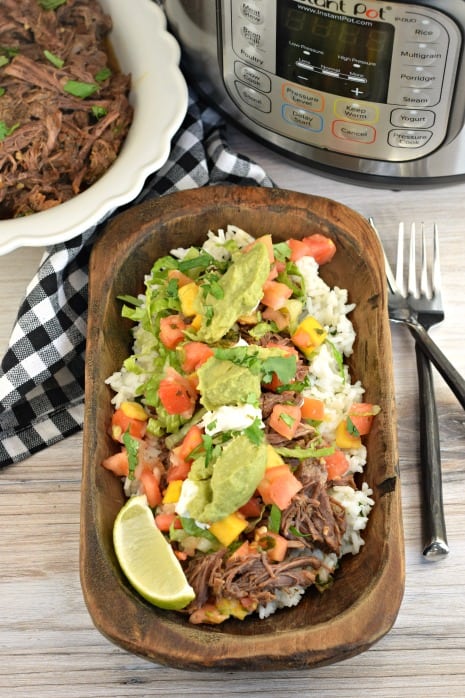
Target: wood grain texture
<point>323,628</point>
<point>50,647</point>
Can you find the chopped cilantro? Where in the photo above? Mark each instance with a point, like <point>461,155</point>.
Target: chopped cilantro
<point>282,251</point>
<point>6,130</point>
<point>103,74</point>
<point>351,428</point>
<point>254,432</point>
<point>98,111</point>
<point>287,419</point>
<point>51,4</point>
<point>80,89</point>
<point>274,520</point>
<point>284,367</point>
<point>54,60</point>
<point>132,447</point>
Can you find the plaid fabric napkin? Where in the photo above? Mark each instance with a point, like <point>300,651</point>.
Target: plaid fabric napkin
<point>42,372</point>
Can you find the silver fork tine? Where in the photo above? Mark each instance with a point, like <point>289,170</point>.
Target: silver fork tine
<point>400,260</point>
<point>425,288</point>
<point>412,267</point>
<point>436,277</point>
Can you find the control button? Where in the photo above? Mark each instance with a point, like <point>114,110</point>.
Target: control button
<point>302,97</point>
<point>254,78</point>
<point>349,131</point>
<point>424,29</point>
<point>253,98</point>
<point>252,35</point>
<point>403,138</point>
<point>251,54</point>
<point>411,97</point>
<point>417,77</point>
<point>421,54</point>
<point>413,118</point>
<point>253,12</point>
<point>356,111</point>
<point>301,117</point>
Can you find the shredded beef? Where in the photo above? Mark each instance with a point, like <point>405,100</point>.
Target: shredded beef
<point>56,145</point>
<point>254,578</point>
<point>317,518</point>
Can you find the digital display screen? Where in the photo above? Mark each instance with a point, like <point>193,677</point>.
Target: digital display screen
<point>332,52</point>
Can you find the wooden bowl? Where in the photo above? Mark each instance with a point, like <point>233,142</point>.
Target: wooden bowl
<point>364,600</point>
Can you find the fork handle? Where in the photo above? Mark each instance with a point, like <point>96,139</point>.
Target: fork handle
<point>430,453</point>
<point>454,380</point>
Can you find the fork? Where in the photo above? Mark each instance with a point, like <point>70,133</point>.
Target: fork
<point>420,311</point>
<point>429,311</point>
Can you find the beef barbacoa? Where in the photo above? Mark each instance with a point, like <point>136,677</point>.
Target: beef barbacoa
<point>64,109</point>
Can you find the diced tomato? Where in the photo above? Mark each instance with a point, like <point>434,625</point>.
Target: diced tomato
<point>251,509</point>
<point>151,487</point>
<point>275,294</point>
<point>361,414</point>
<point>274,545</point>
<point>164,521</point>
<point>121,423</point>
<point>241,552</point>
<point>313,408</point>
<point>194,354</point>
<point>336,464</point>
<point>179,467</point>
<point>181,278</point>
<point>285,419</point>
<point>273,384</point>
<point>192,440</point>
<point>180,471</point>
<point>278,486</point>
<point>177,394</point>
<point>273,273</point>
<point>298,249</point>
<point>264,240</point>
<point>172,331</point>
<point>118,463</point>
<point>276,316</point>
<point>318,246</point>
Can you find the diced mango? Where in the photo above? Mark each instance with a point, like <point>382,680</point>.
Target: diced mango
<point>273,459</point>
<point>196,323</point>
<point>134,410</point>
<point>229,528</point>
<point>187,296</point>
<point>309,335</point>
<point>344,439</point>
<point>172,492</point>
<point>232,607</point>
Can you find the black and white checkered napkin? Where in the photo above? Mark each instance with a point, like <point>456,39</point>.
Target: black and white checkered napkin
<point>42,372</point>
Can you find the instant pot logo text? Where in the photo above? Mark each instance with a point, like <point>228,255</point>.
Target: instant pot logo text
<point>348,7</point>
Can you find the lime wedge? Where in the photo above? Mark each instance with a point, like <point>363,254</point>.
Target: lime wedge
<point>147,559</point>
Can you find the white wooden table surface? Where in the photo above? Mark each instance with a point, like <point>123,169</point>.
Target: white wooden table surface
<point>48,644</point>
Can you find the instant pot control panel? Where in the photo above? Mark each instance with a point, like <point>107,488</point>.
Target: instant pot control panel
<point>374,80</point>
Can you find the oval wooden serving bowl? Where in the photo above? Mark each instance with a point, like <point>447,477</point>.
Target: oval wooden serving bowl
<point>364,600</point>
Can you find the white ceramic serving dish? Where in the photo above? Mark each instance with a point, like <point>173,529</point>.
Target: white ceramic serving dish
<point>144,48</point>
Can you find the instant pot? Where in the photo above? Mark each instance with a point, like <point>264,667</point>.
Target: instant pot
<point>367,90</point>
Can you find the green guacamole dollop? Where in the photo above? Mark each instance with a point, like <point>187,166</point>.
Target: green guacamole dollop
<point>235,476</point>
<point>242,290</point>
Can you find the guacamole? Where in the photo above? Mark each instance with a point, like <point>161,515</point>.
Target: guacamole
<point>241,289</point>
<point>226,383</point>
<point>234,478</point>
